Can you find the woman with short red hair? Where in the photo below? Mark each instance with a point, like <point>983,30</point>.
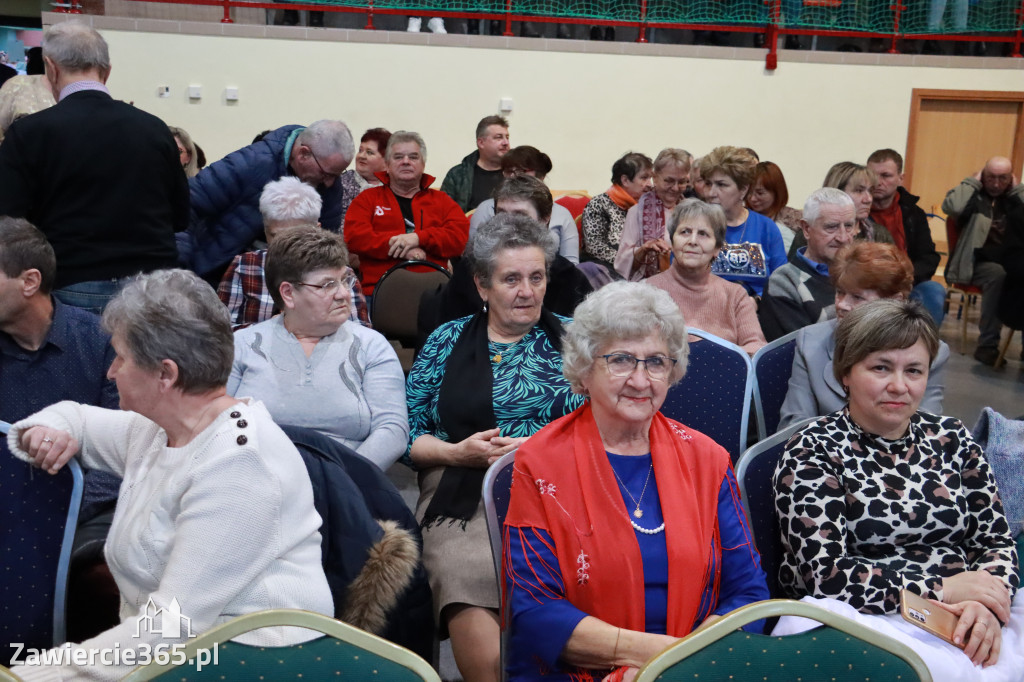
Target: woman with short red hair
<point>769,196</point>
<point>861,272</point>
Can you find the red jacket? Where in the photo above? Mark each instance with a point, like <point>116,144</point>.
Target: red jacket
<point>374,217</point>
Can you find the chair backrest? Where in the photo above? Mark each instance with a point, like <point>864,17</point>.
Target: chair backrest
<point>396,298</point>
<point>842,650</point>
<point>497,491</point>
<point>573,201</point>
<point>714,396</point>
<point>754,473</point>
<point>38,518</point>
<point>345,652</point>
<point>952,234</point>
<point>773,364</point>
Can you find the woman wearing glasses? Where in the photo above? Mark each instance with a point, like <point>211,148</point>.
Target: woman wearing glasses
<point>633,535</point>
<point>311,366</point>
<point>479,388</point>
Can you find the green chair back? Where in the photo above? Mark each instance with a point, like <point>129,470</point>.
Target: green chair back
<point>843,650</point>
<point>345,652</point>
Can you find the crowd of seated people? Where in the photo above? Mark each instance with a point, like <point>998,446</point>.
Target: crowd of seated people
<point>526,349</point>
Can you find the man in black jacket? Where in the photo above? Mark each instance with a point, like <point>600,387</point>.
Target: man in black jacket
<point>896,209</point>
<point>100,178</point>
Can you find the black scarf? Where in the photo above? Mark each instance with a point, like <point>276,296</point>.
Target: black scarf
<point>465,405</point>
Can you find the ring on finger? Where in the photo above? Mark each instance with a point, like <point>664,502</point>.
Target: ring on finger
<point>47,440</point>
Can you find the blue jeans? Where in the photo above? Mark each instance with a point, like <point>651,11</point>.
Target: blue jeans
<point>932,296</point>
<point>91,296</point>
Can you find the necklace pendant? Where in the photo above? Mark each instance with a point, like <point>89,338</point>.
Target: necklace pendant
<point>497,358</point>
<point>638,513</point>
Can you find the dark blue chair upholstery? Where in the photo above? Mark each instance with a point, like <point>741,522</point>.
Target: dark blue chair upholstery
<point>773,364</point>
<point>714,396</point>
<point>754,473</point>
<point>497,491</point>
<point>38,516</point>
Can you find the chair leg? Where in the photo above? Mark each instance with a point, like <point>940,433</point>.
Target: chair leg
<point>1003,347</point>
<point>965,312</point>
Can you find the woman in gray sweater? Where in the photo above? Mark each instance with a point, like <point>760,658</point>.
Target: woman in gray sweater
<point>313,368</point>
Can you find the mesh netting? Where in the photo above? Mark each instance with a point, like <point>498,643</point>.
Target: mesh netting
<point>876,16</point>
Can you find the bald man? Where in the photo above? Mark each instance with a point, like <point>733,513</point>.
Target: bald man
<point>988,208</point>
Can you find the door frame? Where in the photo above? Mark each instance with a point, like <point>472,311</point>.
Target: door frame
<point>918,95</point>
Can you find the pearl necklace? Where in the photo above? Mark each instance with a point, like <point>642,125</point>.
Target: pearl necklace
<point>638,513</point>
<point>648,531</point>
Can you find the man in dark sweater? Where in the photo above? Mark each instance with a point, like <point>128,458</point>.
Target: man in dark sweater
<point>473,180</point>
<point>800,293</point>
<point>100,178</point>
<point>896,209</point>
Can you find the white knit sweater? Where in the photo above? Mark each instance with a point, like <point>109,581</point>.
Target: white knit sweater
<point>225,525</point>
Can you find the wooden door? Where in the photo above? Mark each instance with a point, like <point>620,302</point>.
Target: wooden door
<point>951,135</point>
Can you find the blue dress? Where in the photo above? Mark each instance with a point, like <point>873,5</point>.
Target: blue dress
<point>542,619</point>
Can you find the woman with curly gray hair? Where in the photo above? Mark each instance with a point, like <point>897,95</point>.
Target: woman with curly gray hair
<point>215,515</point>
<point>624,532</point>
<point>479,388</point>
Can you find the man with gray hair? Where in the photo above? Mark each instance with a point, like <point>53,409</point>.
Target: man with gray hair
<point>284,204</point>
<point>100,178</point>
<point>800,292</point>
<point>226,218</point>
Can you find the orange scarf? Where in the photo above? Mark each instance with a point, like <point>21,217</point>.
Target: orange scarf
<point>563,484</point>
<point>620,197</point>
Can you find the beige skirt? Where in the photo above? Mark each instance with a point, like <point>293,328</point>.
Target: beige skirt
<point>458,562</point>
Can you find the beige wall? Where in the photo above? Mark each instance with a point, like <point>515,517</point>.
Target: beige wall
<point>582,109</point>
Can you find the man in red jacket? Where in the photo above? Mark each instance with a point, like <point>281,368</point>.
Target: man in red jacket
<point>403,219</point>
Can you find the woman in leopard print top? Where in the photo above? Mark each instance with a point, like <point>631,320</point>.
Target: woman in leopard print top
<point>879,497</point>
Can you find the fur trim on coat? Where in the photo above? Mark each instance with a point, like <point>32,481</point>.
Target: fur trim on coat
<point>387,573</point>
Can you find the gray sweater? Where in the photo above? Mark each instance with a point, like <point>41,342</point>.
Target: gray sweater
<point>351,388</point>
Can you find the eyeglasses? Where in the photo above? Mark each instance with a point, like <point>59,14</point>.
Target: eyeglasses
<point>330,286</point>
<point>322,171</point>
<point>658,367</point>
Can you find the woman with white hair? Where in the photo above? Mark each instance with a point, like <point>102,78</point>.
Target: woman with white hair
<point>216,509</point>
<point>632,536</point>
<point>284,204</point>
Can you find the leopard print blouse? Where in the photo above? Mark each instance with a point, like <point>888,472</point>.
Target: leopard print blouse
<point>862,517</point>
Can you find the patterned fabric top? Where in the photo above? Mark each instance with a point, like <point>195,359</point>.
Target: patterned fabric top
<point>602,223</point>
<point>243,289</point>
<point>862,517</point>
<point>529,389</point>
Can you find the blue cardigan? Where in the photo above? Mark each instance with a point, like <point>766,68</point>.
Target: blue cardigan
<point>225,196</point>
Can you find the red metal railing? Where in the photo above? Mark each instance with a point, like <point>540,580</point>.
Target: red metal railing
<point>772,29</point>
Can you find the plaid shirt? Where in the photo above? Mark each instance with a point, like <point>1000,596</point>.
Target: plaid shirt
<point>244,291</point>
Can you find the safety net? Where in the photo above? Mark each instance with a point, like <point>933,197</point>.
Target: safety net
<point>874,16</point>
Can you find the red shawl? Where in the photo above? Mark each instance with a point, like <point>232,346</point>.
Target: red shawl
<point>563,483</point>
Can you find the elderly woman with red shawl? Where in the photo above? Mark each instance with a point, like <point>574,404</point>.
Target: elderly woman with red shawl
<point>625,531</point>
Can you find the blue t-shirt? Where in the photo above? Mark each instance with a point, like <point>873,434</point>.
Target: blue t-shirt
<point>758,230</point>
